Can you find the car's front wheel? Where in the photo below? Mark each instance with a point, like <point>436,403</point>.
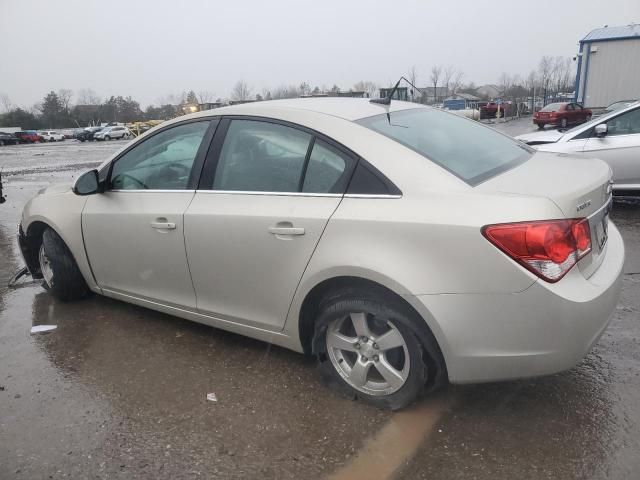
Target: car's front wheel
<point>60,273</point>
<point>563,123</point>
<point>370,350</point>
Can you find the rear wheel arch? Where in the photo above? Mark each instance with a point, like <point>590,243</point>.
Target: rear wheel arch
<point>347,285</point>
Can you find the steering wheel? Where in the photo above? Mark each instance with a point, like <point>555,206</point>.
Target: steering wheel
<point>136,180</point>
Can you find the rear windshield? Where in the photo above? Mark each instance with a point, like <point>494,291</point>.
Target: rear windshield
<point>552,107</point>
<point>467,149</point>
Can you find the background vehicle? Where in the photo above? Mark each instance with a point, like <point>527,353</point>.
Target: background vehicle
<point>112,133</point>
<point>8,139</point>
<point>303,223</point>
<point>491,109</point>
<point>561,114</point>
<point>87,134</point>
<point>614,138</point>
<point>28,136</point>
<point>617,106</point>
<point>52,136</point>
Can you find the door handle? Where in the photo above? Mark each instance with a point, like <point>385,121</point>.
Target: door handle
<point>163,225</point>
<point>282,230</point>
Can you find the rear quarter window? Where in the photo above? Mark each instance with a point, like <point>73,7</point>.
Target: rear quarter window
<point>465,148</point>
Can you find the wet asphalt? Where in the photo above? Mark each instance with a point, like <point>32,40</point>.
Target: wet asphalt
<point>117,391</point>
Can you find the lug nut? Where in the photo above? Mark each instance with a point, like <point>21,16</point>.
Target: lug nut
<point>376,358</point>
<point>357,346</point>
<point>375,345</point>
<point>364,339</point>
<point>364,359</point>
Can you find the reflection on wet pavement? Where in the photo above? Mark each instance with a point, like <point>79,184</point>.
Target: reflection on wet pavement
<point>117,391</point>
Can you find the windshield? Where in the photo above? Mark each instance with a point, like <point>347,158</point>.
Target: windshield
<point>552,107</point>
<point>467,149</point>
<point>618,105</point>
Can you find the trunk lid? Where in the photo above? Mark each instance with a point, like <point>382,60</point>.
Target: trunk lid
<point>580,187</point>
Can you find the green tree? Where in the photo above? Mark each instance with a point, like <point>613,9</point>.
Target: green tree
<point>192,97</point>
<point>20,118</point>
<point>53,114</point>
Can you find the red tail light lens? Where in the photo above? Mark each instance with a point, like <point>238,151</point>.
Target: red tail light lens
<point>547,248</point>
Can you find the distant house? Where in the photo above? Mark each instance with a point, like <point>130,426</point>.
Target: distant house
<point>401,93</point>
<point>434,95</point>
<point>461,101</point>
<point>489,91</point>
<point>351,93</point>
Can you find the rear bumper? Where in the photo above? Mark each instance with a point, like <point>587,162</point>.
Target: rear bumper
<point>542,330</point>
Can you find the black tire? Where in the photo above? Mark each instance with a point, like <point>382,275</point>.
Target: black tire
<point>67,283</point>
<point>52,139</point>
<point>107,137</point>
<point>540,126</point>
<point>378,307</point>
<point>563,123</point>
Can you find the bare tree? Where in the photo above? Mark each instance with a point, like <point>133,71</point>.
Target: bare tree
<point>545,71</point>
<point>5,102</point>
<point>64,96</point>
<point>205,96</point>
<point>413,78</point>
<point>455,82</point>
<point>370,88</point>
<point>436,73</point>
<point>241,91</point>
<point>448,75</point>
<point>86,96</point>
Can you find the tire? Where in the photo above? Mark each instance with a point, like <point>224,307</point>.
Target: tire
<point>107,137</point>
<point>540,126</point>
<point>563,123</point>
<point>60,272</point>
<point>588,118</point>
<point>51,139</point>
<point>339,315</point>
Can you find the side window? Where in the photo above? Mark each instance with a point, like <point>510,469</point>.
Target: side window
<point>162,162</point>
<point>626,124</point>
<point>569,107</point>
<point>327,171</point>
<point>261,157</point>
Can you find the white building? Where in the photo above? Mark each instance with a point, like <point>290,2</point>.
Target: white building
<point>609,66</point>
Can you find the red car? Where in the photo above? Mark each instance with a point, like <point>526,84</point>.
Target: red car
<point>561,114</point>
<point>490,110</point>
<point>28,136</point>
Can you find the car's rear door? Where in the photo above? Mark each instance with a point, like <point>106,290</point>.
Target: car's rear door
<point>620,148</point>
<point>267,192</point>
<point>134,231</point>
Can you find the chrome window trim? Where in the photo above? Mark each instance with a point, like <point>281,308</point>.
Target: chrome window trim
<point>149,190</point>
<point>279,194</point>
<point>295,194</point>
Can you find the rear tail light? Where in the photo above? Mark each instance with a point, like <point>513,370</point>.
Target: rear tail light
<point>549,249</point>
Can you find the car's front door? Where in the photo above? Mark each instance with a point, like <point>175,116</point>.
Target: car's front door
<point>620,148</point>
<point>134,231</point>
<point>267,193</point>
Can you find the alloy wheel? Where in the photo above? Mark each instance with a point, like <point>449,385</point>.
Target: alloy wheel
<point>369,353</point>
<point>45,266</point>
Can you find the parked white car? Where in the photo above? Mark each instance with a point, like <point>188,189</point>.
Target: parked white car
<point>613,137</point>
<point>112,133</point>
<point>51,136</point>
<point>401,245</point>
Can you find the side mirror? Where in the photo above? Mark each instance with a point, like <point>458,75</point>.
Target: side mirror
<point>87,183</point>
<point>601,130</point>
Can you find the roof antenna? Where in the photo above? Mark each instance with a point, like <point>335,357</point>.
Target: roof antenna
<point>387,100</point>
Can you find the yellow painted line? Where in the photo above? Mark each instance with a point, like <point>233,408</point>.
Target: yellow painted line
<point>384,453</point>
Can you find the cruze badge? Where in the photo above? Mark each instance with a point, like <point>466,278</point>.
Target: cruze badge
<point>582,206</point>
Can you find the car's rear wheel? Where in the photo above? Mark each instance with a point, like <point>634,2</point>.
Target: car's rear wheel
<point>540,126</point>
<point>370,350</point>
<point>51,139</point>
<point>587,118</point>
<point>60,273</point>
<point>107,137</point>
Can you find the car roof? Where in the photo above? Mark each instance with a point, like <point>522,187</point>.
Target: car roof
<point>346,108</point>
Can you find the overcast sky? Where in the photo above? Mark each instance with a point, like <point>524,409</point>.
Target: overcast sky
<point>152,48</point>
